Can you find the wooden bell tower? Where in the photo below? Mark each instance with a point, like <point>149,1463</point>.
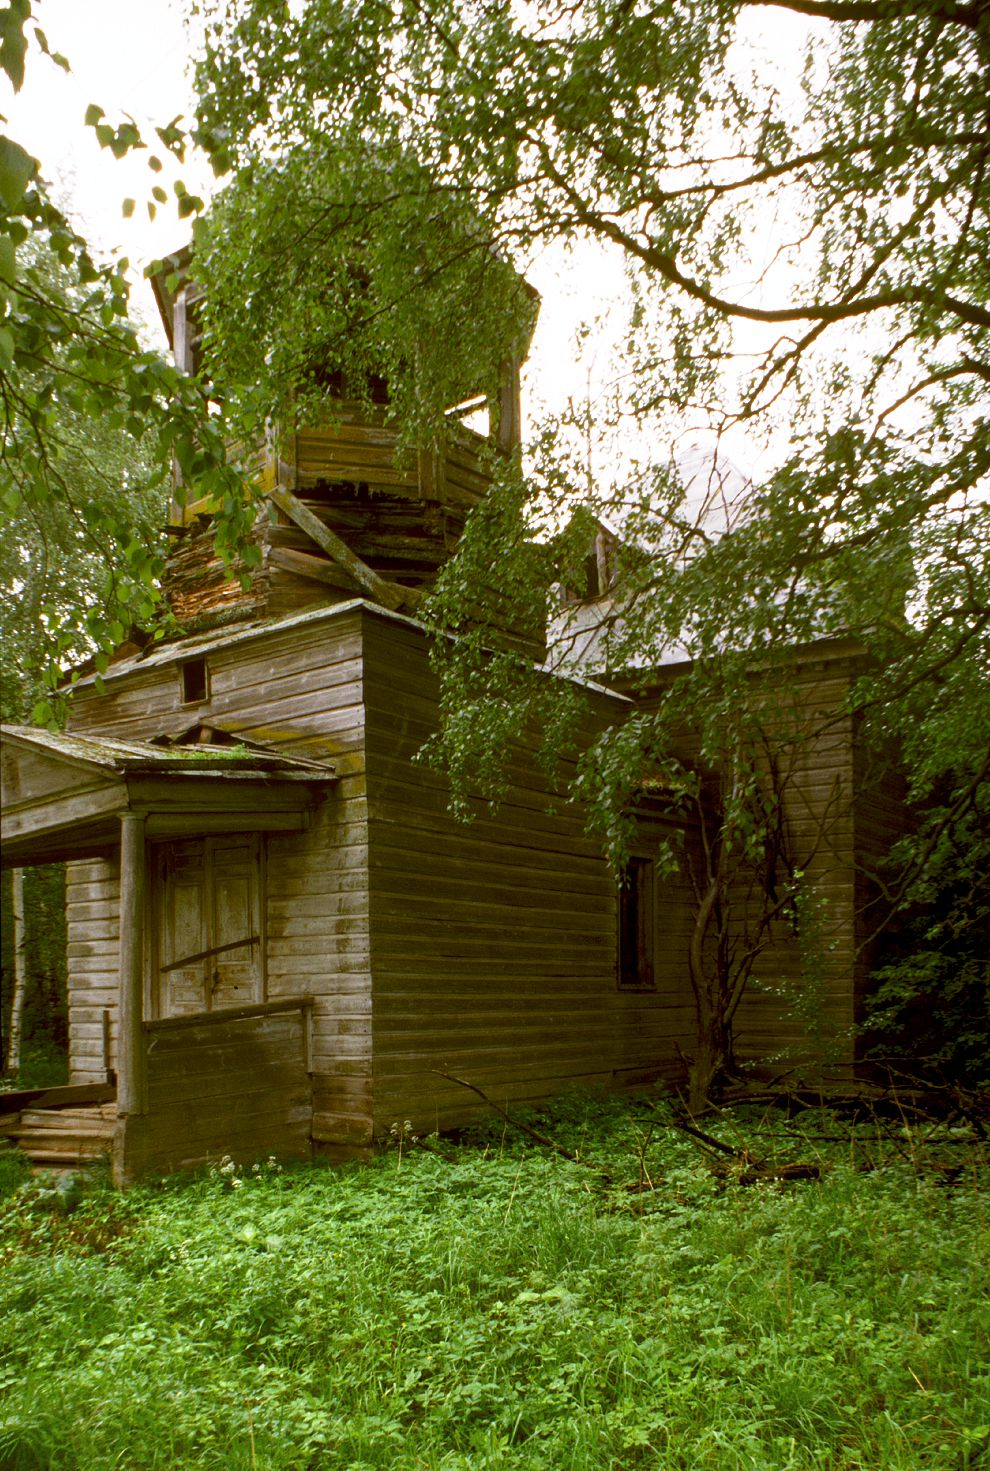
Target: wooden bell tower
<point>346,513</point>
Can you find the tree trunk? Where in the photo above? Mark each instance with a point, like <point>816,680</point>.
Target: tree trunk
<point>12,1061</point>
<point>712,1058</point>
<point>710,984</point>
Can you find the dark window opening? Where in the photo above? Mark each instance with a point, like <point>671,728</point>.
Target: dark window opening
<point>636,924</point>
<point>187,328</point>
<point>597,573</point>
<point>337,383</point>
<point>195,682</point>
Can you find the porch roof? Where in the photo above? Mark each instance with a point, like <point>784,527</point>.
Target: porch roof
<point>63,795</point>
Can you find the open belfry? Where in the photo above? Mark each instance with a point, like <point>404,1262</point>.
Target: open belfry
<point>347,510</point>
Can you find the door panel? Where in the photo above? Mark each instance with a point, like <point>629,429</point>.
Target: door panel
<point>182,929</point>
<point>208,899</point>
<point>236,974</point>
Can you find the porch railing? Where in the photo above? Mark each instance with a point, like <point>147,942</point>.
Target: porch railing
<point>234,1082</point>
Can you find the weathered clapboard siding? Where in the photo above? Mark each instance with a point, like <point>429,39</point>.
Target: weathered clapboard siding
<point>233,1084</point>
<point>881,816</point>
<point>93,919</point>
<point>360,449</point>
<point>302,684</point>
<point>398,511</point>
<point>28,779</point>
<point>299,688</point>
<point>799,1003</point>
<point>493,944</point>
<point>466,468</point>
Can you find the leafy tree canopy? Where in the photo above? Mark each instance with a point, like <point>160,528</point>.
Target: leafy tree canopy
<point>297,274</point>
<point>657,129</point>
<point>807,257</point>
<point>68,583</point>
<point>91,420</point>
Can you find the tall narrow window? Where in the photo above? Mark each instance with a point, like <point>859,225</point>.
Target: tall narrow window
<point>636,924</point>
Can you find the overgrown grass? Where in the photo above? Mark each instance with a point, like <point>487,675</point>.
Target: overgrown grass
<point>44,1064</point>
<point>502,1308</point>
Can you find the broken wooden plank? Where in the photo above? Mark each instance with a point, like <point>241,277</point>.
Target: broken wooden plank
<point>208,954</point>
<point>386,593</point>
<point>68,1096</point>
<point>215,1019</point>
<point>303,564</point>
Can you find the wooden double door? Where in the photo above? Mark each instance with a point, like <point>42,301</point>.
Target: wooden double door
<point>208,924</point>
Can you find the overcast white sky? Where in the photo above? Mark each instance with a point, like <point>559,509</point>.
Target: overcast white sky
<point>130,56</point>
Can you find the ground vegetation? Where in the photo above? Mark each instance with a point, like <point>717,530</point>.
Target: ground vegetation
<point>490,1304</point>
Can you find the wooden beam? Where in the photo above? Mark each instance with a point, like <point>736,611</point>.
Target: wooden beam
<point>72,1095</point>
<point>303,564</point>
<point>432,469</point>
<point>62,812</point>
<point>387,593</point>
<point>130,1044</point>
<point>285,442</point>
<point>509,434</point>
<point>109,1069</point>
<point>282,1006</point>
<point>198,825</point>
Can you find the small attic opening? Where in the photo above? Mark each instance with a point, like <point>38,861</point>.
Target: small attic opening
<point>195,678</point>
<point>598,572</point>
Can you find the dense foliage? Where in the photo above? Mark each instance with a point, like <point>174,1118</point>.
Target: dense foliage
<point>807,246</point>
<point>302,296</point>
<point>500,1308</point>
<point>67,583</point>
<point>90,420</point>
<point>45,1017</point>
<point>931,1006</point>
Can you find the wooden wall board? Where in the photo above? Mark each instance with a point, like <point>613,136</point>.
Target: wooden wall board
<point>29,776</point>
<point>803,988</point>
<point>92,918</point>
<point>257,675</point>
<point>493,945</point>
<point>235,1086</point>
<point>301,690</point>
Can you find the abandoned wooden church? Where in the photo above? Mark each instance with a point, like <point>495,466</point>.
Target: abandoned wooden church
<point>279,941</point>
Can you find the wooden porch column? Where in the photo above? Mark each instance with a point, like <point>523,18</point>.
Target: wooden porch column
<point>130,1041</point>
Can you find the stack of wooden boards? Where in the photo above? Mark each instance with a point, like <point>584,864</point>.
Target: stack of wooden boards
<point>60,1128</point>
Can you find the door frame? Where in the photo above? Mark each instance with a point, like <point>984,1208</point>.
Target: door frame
<point>154,928</point>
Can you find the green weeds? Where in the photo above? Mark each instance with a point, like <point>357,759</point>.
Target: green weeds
<point>500,1308</point>
<point>14,1169</point>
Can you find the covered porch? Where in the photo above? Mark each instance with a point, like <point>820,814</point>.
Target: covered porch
<point>195,1073</point>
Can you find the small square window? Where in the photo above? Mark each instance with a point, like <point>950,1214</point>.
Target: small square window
<point>195,682</point>
<point>637,928</point>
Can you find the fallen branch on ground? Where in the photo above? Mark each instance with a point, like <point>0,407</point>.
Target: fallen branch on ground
<point>901,1097</point>
<point>752,1171</point>
<point>523,1128</point>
